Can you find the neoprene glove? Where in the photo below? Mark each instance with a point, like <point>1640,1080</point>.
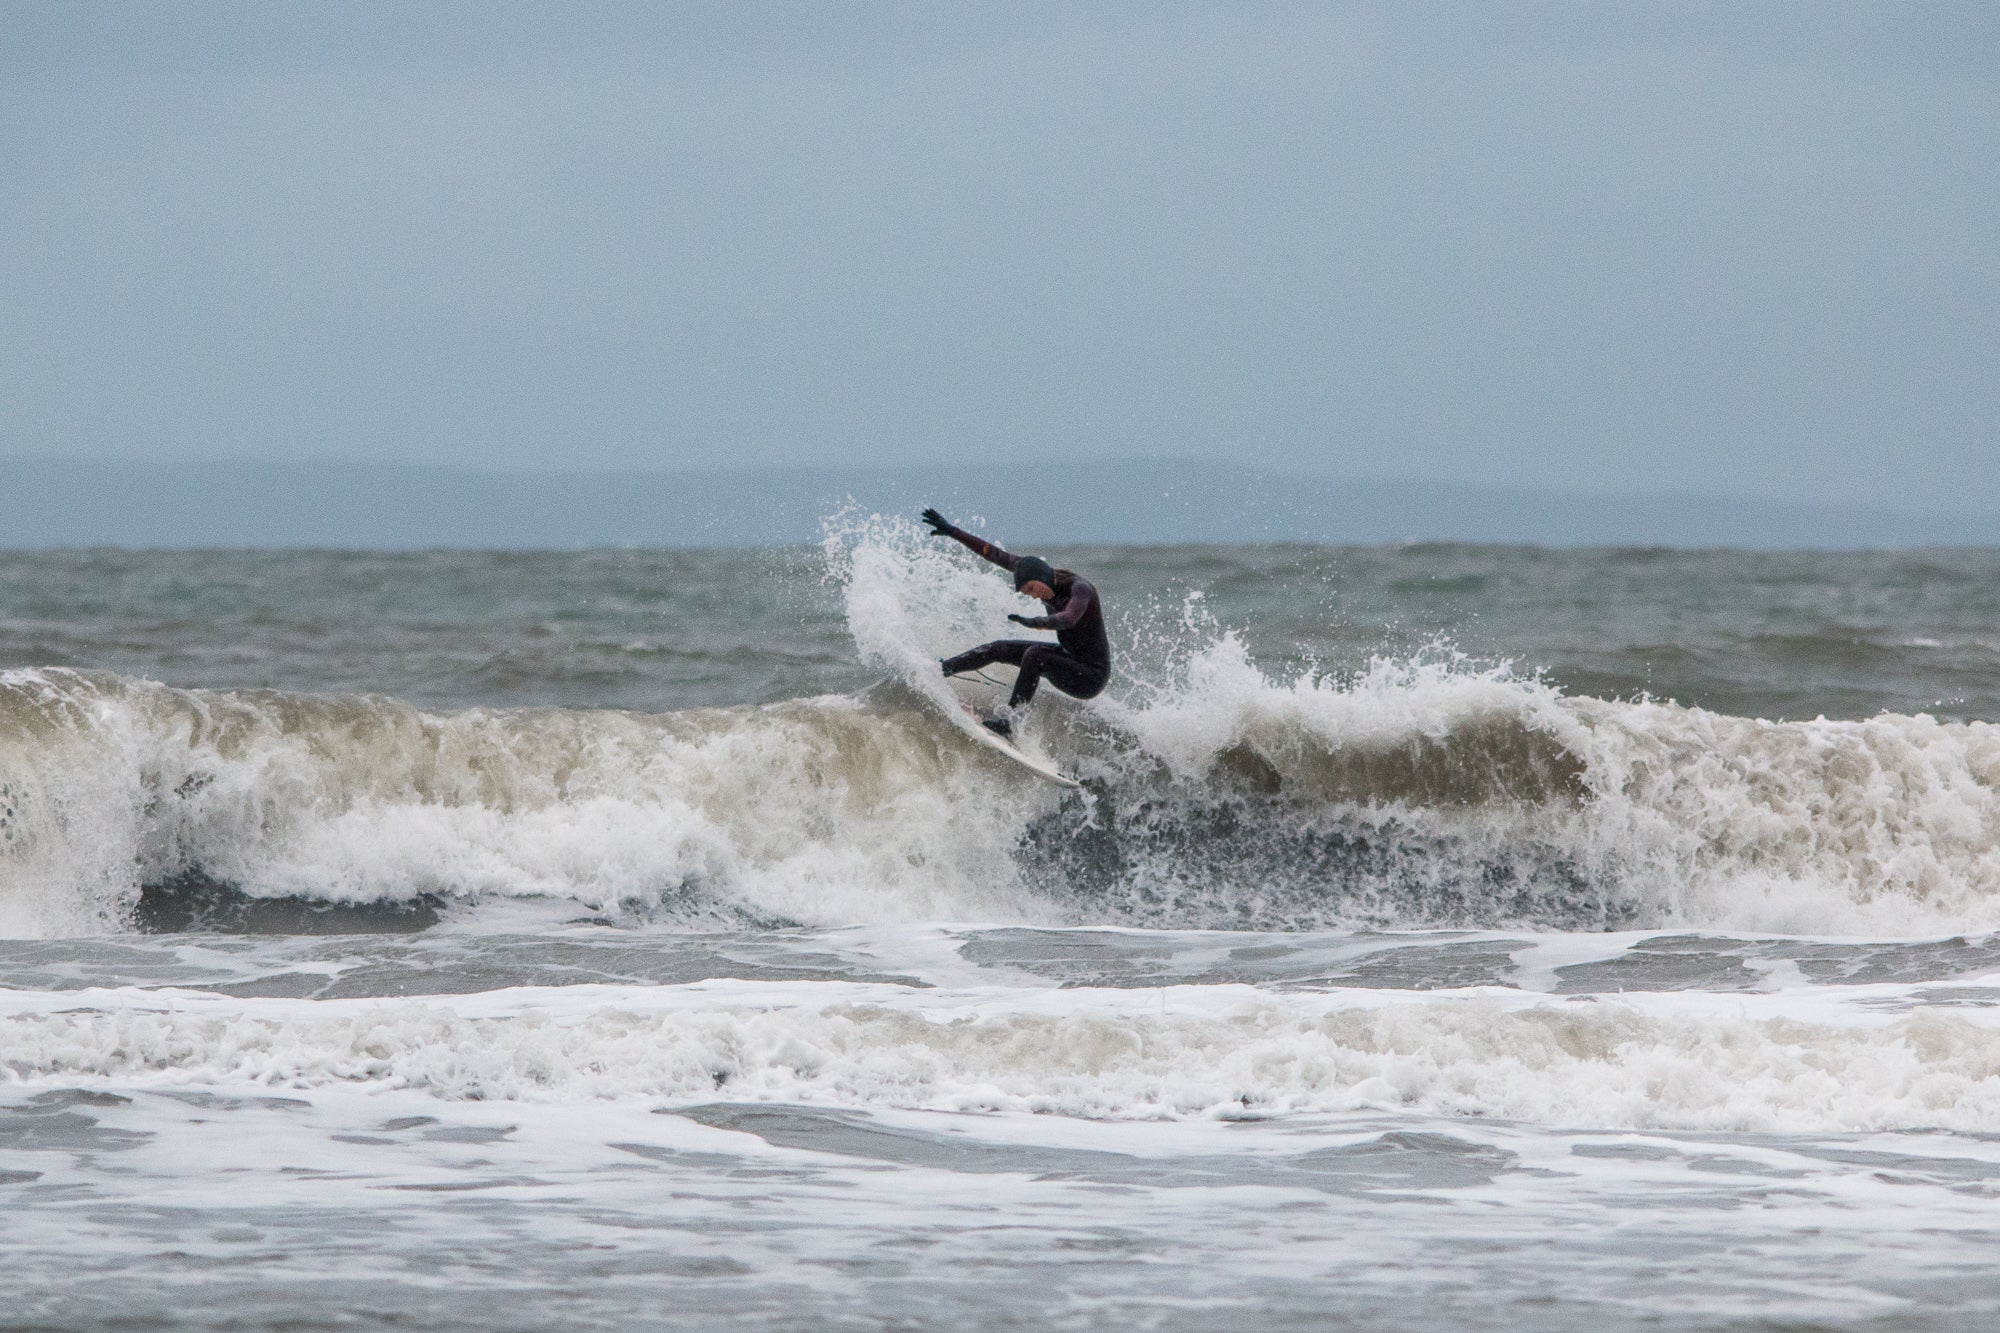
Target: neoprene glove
<point>1032,622</point>
<point>940,525</point>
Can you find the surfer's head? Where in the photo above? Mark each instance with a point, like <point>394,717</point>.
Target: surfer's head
<point>1033,569</point>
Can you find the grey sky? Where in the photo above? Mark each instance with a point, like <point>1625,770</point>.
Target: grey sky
<point>1737,248</point>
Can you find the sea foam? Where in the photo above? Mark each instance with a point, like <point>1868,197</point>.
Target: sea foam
<point>1764,1063</point>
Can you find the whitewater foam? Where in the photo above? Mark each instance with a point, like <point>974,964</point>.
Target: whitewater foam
<point>1853,1060</point>
<point>813,810</point>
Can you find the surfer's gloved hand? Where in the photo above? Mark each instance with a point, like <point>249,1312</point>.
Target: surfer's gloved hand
<point>1032,622</point>
<point>940,525</point>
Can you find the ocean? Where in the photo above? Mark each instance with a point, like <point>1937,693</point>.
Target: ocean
<point>1443,938</point>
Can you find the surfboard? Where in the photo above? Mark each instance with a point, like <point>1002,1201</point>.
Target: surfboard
<point>979,693</point>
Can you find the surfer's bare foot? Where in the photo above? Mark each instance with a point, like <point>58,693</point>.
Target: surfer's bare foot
<point>1000,727</point>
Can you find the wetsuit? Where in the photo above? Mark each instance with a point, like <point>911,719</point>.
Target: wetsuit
<point>1077,663</point>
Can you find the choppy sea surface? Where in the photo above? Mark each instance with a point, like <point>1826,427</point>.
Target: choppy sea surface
<point>1443,938</point>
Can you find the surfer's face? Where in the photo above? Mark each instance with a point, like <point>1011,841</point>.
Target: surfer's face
<point>1037,589</point>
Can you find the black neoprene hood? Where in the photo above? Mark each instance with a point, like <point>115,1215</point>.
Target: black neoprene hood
<point>1032,569</point>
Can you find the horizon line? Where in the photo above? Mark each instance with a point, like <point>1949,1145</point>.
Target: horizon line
<point>757,469</point>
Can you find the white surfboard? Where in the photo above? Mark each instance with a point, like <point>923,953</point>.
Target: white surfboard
<point>979,693</point>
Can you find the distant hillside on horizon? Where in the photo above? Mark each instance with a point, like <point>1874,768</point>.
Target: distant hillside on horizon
<point>49,503</point>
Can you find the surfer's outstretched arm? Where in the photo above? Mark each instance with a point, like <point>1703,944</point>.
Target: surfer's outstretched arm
<point>979,546</point>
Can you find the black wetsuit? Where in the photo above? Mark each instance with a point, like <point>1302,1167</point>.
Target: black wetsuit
<point>1077,663</point>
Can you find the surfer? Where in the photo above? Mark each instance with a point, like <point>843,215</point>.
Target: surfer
<point>1079,661</point>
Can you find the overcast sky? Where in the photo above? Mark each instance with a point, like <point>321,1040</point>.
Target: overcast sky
<point>1738,248</point>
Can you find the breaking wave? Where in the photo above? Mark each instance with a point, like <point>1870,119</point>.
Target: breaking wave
<point>1421,792</point>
